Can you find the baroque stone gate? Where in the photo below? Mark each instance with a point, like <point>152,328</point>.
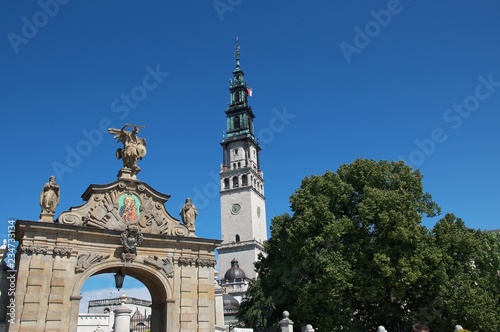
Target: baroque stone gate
<point>123,227</point>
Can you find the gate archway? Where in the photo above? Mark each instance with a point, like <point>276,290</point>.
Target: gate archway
<point>158,285</point>
<point>55,259</point>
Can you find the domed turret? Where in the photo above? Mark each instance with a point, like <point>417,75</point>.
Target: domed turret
<point>234,273</point>
<point>230,302</point>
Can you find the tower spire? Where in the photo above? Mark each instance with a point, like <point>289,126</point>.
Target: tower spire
<point>237,55</point>
<point>243,206</point>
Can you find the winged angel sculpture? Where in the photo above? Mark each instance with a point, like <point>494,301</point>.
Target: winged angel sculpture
<point>134,147</point>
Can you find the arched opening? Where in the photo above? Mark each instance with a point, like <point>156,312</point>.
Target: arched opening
<point>100,298</point>
<point>136,276</point>
<point>237,238</point>
<point>244,180</point>
<point>235,182</point>
<point>226,183</point>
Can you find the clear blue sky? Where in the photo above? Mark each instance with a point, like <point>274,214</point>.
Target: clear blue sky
<point>332,82</point>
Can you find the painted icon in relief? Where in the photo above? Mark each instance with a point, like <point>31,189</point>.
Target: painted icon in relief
<point>128,207</point>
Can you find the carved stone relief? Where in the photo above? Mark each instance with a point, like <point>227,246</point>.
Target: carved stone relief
<point>165,265</point>
<point>86,260</point>
<point>123,204</point>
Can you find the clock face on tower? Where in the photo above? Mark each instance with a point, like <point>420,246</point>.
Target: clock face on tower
<point>235,208</point>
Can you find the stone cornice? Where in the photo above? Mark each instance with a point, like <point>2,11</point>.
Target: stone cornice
<point>102,238</point>
<point>231,246</point>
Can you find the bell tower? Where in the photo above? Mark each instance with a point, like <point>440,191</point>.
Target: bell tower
<point>243,204</point>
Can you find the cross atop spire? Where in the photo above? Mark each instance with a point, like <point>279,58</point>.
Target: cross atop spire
<point>237,55</point>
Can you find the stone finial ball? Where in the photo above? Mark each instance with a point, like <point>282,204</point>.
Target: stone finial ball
<point>286,314</point>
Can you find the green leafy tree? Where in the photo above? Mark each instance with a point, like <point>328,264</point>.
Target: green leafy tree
<point>351,253</point>
<point>469,293</point>
<point>256,307</point>
<point>355,255</point>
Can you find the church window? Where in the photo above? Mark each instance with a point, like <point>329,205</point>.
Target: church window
<point>235,151</point>
<point>235,182</point>
<point>236,122</point>
<point>244,180</point>
<point>237,238</point>
<point>239,164</point>
<point>226,183</point>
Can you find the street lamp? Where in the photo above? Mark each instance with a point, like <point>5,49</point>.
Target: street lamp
<point>119,277</point>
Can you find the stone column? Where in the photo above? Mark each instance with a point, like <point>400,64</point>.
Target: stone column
<point>219,304</point>
<point>122,317</point>
<point>286,324</point>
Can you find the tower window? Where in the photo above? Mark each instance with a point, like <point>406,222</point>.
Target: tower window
<point>235,151</point>
<point>244,180</point>
<point>237,238</point>
<point>236,122</point>
<point>226,183</point>
<point>239,164</point>
<point>235,182</point>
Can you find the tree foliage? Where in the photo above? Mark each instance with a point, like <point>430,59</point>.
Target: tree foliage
<point>354,255</point>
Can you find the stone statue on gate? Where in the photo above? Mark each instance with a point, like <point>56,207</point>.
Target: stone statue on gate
<point>188,214</point>
<point>134,147</point>
<point>49,199</point>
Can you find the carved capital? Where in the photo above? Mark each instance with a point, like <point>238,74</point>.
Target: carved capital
<point>62,251</point>
<point>205,262</point>
<point>29,250</point>
<point>183,261</point>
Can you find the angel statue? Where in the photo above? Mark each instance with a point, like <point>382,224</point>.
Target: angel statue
<point>134,147</point>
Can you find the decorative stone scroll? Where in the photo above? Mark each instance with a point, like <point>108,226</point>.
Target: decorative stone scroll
<point>165,265</point>
<point>37,250</point>
<point>86,260</point>
<point>125,203</point>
